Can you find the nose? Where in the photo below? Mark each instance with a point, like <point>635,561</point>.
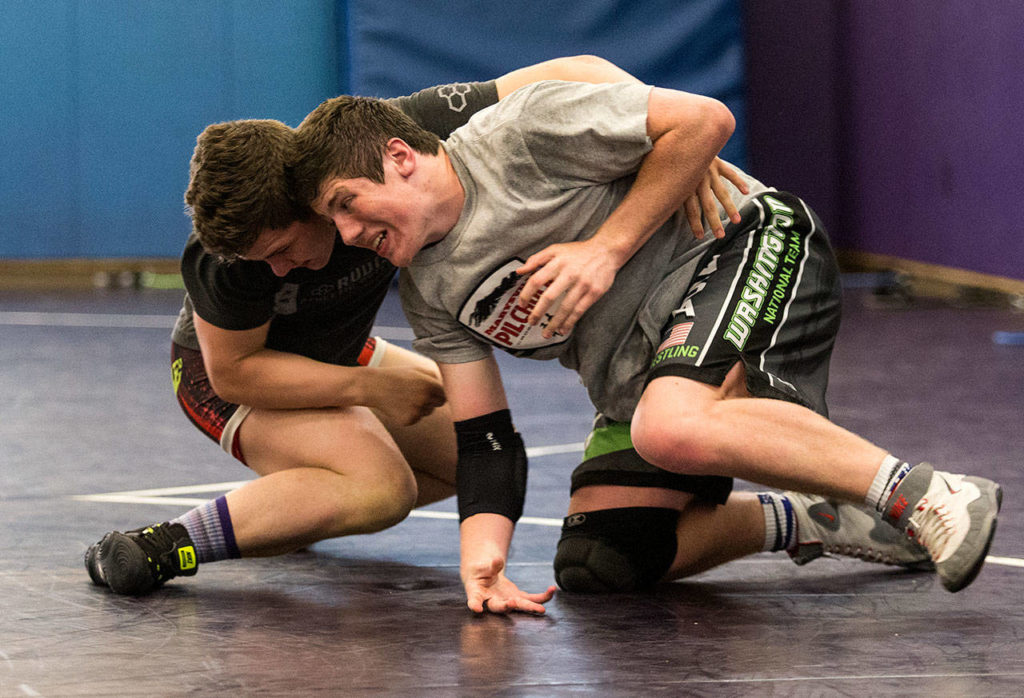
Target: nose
<point>280,266</point>
<point>348,229</point>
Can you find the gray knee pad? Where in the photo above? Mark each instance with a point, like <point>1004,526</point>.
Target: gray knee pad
<point>615,550</point>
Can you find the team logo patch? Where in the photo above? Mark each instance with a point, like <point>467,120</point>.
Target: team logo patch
<point>187,558</point>
<point>176,374</point>
<point>455,95</point>
<point>493,312</point>
<point>575,520</point>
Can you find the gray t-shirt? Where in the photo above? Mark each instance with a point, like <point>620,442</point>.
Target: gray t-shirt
<point>548,164</point>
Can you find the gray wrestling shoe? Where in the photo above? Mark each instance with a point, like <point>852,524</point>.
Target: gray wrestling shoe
<point>953,516</point>
<point>828,527</point>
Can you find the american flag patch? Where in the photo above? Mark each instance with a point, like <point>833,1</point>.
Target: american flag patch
<point>676,337</point>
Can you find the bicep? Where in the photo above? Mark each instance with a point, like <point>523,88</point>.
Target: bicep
<point>224,349</point>
<point>474,388</point>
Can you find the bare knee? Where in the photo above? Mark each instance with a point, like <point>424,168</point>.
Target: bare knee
<point>388,501</point>
<point>679,445</point>
<point>674,425</point>
<point>368,503</point>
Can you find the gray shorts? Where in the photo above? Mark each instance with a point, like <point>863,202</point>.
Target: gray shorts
<point>767,295</point>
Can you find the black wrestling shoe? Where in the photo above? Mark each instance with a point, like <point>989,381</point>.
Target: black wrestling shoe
<point>137,562</point>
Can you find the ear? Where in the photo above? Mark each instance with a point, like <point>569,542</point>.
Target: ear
<point>401,156</point>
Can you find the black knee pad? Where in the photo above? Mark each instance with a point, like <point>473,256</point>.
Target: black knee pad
<point>615,550</point>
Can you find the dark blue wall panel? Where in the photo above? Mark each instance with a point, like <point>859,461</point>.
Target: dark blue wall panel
<point>103,99</point>
<point>694,45</point>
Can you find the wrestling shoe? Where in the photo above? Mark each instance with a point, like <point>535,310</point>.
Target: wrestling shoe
<point>828,527</point>
<point>137,562</point>
<point>953,516</point>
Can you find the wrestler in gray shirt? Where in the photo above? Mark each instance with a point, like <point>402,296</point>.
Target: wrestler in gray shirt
<point>524,187</point>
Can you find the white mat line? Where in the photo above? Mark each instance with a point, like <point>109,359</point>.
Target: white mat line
<point>44,319</point>
<point>153,497</point>
<point>161,492</point>
<point>538,451</point>
<point>129,498</point>
<point>1008,561</point>
<point>86,320</point>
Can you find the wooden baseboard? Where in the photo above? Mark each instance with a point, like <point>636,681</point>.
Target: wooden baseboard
<point>930,279</point>
<point>77,274</point>
<point>56,274</point>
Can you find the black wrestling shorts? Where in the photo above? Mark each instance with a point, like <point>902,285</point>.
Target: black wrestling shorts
<point>768,295</point>
<point>215,417</point>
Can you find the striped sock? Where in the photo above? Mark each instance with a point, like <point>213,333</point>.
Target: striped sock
<point>779,521</point>
<point>889,474</point>
<point>209,526</point>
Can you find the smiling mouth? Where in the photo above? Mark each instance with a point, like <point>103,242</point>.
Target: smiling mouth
<point>379,241</point>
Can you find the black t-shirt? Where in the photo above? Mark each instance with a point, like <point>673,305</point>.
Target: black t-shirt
<point>324,314</point>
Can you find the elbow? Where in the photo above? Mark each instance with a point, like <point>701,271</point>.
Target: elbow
<point>589,68</point>
<point>719,122</point>
<point>226,385</point>
<point>588,60</point>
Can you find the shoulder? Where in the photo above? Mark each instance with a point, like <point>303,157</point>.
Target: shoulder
<point>444,108</point>
<point>205,274</point>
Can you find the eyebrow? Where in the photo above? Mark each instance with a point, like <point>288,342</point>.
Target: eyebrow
<point>339,193</point>
<point>274,249</point>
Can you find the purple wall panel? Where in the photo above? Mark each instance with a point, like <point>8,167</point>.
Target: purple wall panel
<point>925,99</point>
<point>793,129</point>
<point>935,149</point>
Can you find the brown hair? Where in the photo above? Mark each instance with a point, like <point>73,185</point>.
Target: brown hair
<point>346,137</point>
<point>241,184</point>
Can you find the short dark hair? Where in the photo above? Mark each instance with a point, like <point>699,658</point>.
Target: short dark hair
<point>346,136</point>
<point>241,184</point>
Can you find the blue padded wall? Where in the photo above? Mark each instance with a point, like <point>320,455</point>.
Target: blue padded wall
<point>405,45</point>
<point>103,99</point>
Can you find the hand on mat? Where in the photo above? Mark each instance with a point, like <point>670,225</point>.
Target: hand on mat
<point>405,395</point>
<point>488,589</point>
<point>710,192</point>
<point>576,273</point>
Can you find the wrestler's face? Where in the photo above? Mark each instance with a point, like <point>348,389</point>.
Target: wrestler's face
<point>388,218</point>
<point>307,243</point>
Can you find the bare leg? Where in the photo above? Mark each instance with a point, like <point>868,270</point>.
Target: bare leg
<point>325,473</point>
<point>712,535</point>
<point>760,440</point>
<point>429,445</point>
<point>336,472</point>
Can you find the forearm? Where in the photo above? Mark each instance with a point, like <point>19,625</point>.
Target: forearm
<point>271,379</point>
<point>571,68</point>
<point>482,539</point>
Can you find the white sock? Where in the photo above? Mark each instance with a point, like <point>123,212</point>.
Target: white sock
<point>779,521</point>
<point>889,474</point>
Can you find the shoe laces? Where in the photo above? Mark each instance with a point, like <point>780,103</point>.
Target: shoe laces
<point>158,543</point>
<point>933,528</point>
